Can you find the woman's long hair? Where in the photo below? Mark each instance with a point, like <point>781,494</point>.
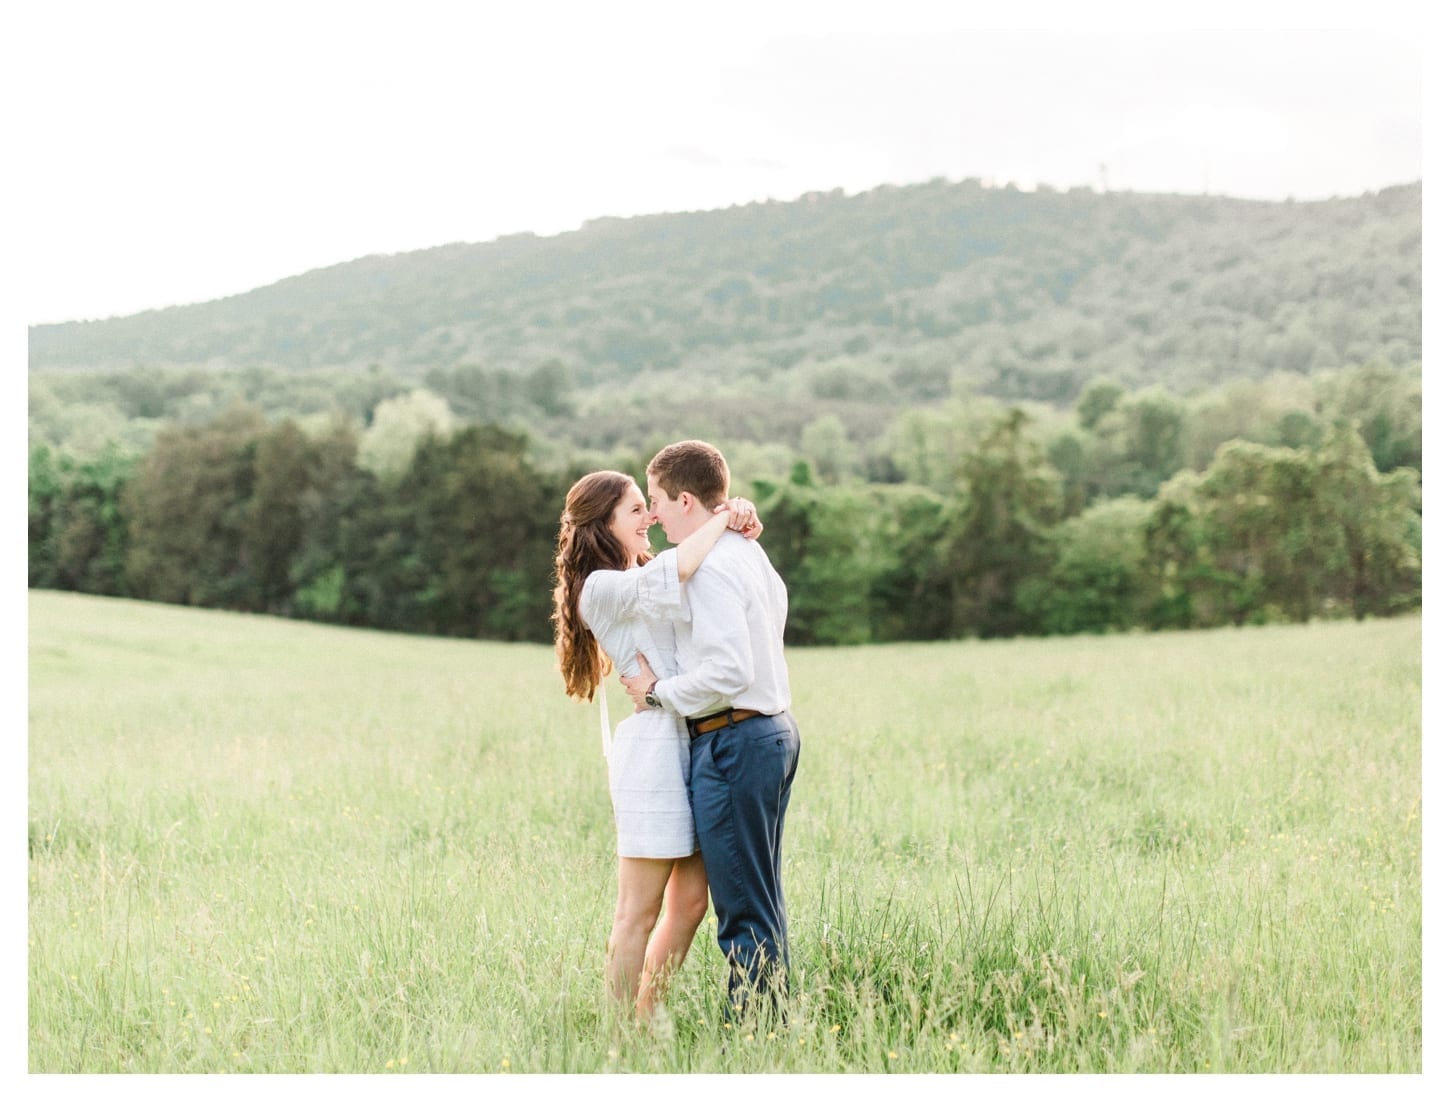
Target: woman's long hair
<point>585,545</point>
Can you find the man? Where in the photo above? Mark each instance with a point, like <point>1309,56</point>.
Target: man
<point>735,694</point>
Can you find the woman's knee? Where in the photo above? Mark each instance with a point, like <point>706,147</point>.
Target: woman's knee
<point>693,909</point>
<point>637,914</point>
<point>642,885</point>
<point>689,896</point>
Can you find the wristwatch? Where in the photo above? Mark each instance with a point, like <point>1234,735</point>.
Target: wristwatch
<point>650,700</point>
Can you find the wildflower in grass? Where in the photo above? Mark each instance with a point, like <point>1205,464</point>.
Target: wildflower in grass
<point>891,1055</point>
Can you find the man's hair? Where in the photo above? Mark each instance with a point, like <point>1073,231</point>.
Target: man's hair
<point>695,466</point>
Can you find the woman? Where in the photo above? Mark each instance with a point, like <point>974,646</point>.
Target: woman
<point>612,601</point>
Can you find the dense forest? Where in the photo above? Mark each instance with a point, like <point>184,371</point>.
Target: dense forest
<point>963,411</point>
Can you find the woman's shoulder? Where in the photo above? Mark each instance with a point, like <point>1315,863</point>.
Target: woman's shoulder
<point>604,583</point>
<point>595,586</point>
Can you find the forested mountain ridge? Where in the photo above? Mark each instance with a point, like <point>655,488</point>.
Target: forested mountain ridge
<point>899,295</point>
<point>961,411</point>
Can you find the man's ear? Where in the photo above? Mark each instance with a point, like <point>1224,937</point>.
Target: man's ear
<point>686,501</point>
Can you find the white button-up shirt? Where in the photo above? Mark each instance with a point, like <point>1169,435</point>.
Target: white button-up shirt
<point>731,647</point>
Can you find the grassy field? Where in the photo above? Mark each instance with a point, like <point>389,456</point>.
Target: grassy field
<point>266,846</point>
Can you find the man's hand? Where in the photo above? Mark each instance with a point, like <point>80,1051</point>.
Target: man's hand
<point>639,684</point>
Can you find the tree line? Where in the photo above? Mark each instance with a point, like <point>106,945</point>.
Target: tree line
<point>983,519</point>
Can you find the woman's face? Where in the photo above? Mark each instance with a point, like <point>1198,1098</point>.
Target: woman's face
<point>631,522</point>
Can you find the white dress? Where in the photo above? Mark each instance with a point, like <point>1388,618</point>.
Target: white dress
<point>649,757</point>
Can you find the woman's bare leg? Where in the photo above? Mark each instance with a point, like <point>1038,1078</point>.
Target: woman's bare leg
<point>642,882</point>
<point>686,898</point>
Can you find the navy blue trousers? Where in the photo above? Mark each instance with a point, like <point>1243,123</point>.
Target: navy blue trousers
<point>740,780</point>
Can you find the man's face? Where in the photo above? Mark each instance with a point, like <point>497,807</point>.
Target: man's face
<point>668,514</point>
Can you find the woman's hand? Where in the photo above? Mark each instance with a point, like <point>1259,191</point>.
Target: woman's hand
<point>743,518</point>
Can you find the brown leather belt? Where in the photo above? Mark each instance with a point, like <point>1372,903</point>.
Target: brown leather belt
<point>705,724</point>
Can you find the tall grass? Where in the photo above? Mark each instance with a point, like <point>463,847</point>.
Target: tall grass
<point>259,845</point>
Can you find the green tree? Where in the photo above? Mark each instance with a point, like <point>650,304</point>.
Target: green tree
<point>927,445</point>
<point>43,491</point>
<point>911,589</point>
<point>398,426</point>
<point>272,522</point>
<point>334,491</point>
<point>1270,533</point>
<point>1097,578</point>
<point>1140,444</point>
<point>1010,497</point>
<point>1255,512</point>
<point>548,386</point>
<point>828,449</point>
<point>1185,584</point>
<point>461,544</point>
<point>1386,403</point>
<point>186,513</point>
<point>818,541</point>
<point>478,394</point>
<point>1370,533</point>
<point>348,568</point>
<point>1071,453</point>
<point>498,528</point>
<point>294,478</point>
<point>1098,399</point>
<point>77,535</point>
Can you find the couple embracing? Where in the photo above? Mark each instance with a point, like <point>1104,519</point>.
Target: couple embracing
<point>700,775</point>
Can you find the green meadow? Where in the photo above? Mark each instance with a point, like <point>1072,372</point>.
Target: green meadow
<point>260,845</point>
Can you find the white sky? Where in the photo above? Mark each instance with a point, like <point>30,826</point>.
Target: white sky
<point>178,152</point>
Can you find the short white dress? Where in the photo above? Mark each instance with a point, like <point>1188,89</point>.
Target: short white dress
<point>630,611</point>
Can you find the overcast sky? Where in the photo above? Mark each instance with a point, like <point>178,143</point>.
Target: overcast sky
<point>174,153</point>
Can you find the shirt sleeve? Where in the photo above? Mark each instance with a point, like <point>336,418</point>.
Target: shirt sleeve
<point>651,591</point>
<point>724,660</point>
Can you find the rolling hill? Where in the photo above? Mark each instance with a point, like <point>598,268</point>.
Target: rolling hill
<point>1020,290</point>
